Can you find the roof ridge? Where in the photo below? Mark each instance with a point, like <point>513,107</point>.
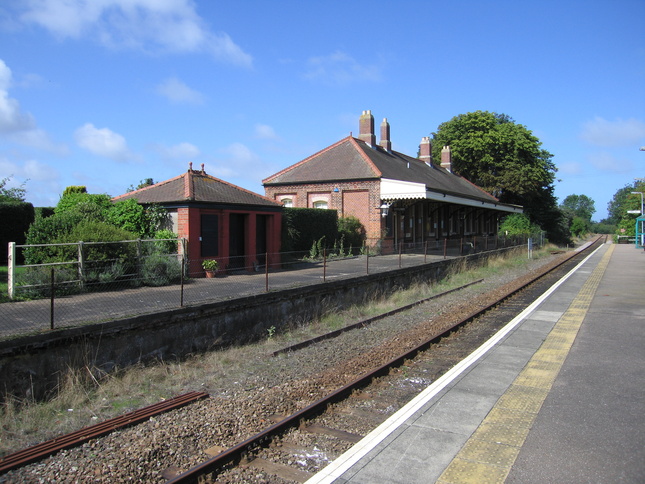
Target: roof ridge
<point>236,187</point>
<point>366,158</point>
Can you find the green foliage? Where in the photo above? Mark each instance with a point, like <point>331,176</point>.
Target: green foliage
<point>15,219</point>
<point>579,206</point>
<point>303,226</point>
<point>602,228</point>
<point>89,206</point>
<point>89,231</point>
<point>129,215</point>
<point>48,231</point>
<point>16,194</point>
<point>351,231</point>
<point>43,212</point>
<point>506,160</point>
<point>166,246</point>
<point>623,201</point>
<point>35,282</point>
<point>74,189</point>
<point>580,226</point>
<point>517,224</point>
<point>160,270</point>
<point>142,184</point>
<point>210,264</point>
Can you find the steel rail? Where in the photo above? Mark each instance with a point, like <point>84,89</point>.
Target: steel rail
<point>47,448</point>
<point>234,455</point>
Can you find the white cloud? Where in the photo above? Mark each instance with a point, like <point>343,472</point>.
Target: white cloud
<point>40,180</point>
<point>150,25</point>
<point>181,151</point>
<point>608,162</point>
<point>264,131</point>
<point>339,69</point>
<point>621,132</point>
<point>240,153</point>
<point>12,118</point>
<point>102,142</point>
<point>178,92</point>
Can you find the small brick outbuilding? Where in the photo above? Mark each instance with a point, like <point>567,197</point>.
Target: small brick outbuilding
<point>397,198</point>
<point>219,220</point>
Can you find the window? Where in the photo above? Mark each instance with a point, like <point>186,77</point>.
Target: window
<point>320,204</point>
<point>287,202</point>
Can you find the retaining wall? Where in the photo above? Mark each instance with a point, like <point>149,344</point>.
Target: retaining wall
<point>35,366</point>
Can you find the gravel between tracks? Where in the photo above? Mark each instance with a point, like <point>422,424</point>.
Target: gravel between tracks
<point>244,398</point>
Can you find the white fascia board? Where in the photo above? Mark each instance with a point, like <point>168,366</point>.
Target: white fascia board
<point>402,190</point>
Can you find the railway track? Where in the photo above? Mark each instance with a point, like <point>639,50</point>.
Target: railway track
<point>298,444</point>
<point>279,452</point>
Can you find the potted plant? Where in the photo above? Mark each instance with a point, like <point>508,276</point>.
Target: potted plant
<point>210,266</point>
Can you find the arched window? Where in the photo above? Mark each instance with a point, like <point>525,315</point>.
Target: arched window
<point>287,202</point>
<point>320,204</point>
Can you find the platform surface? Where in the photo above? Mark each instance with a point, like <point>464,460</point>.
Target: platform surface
<point>557,396</point>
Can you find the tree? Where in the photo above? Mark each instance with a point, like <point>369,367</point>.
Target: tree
<point>142,184</point>
<point>517,224</point>
<point>506,160</point>
<point>579,206</point>
<point>16,194</point>
<point>623,201</point>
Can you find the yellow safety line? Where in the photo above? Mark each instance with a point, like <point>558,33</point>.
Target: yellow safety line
<point>489,454</point>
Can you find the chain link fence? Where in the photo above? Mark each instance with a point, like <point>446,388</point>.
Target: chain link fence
<point>117,280</point>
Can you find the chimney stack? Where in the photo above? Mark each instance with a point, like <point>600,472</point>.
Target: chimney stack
<point>366,128</point>
<point>425,150</point>
<point>385,143</point>
<point>446,158</point>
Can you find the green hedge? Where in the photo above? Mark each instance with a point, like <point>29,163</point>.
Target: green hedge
<point>301,227</point>
<point>16,218</point>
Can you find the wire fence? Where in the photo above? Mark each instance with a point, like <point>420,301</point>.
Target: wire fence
<point>90,290</point>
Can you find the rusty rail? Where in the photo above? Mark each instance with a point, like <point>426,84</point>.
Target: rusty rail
<point>45,449</point>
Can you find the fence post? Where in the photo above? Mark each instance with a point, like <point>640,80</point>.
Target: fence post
<point>445,248</point>
<point>400,251</point>
<point>266,271</point>
<point>183,268</point>
<point>138,258</point>
<point>11,272</point>
<point>367,259</point>
<point>324,265</point>
<point>461,246</point>
<point>425,252</point>
<point>81,264</point>
<point>51,304</point>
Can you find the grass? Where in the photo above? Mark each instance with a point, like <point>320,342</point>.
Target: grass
<point>85,398</point>
<point>4,286</point>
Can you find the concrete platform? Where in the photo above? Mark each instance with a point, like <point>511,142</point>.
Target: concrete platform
<point>558,395</point>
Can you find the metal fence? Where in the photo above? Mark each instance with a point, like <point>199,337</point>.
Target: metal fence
<point>147,279</point>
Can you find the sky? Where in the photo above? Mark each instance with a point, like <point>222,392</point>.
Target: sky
<point>107,93</point>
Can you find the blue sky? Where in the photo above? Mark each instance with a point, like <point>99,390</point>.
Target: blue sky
<point>105,93</point>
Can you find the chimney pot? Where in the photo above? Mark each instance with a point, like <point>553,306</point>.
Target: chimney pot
<point>385,143</point>
<point>425,150</point>
<point>446,158</point>
<point>366,128</point>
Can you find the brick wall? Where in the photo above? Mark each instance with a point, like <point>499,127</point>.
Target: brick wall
<point>361,199</point>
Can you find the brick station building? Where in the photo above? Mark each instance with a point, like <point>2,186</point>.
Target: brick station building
<point>219,220</point>
<point>399,199</point>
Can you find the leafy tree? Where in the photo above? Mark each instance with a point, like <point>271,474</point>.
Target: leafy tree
<point>89,206</point>
<point>16,194</point>
<point>622,201</point>
<point>506,160</point>
<point>579,206</point>
<point>580,226</point>
<point>351,231</point>
<point>517,224</point>
<point>142,184</point>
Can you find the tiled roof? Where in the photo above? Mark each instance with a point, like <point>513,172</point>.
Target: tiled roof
<point>197,186</point>
<point>353,159</point>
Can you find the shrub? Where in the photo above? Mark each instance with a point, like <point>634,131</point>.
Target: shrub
<point>159,270</point>
<point>351,232</point>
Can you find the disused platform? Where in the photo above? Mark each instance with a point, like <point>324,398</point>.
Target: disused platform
<point>558,395</point>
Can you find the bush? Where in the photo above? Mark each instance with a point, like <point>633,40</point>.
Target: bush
<point>159,270</point>
<point>65,280</point>
<point>351,232</point>
<point>302,227</point>
<point>16,218</point>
